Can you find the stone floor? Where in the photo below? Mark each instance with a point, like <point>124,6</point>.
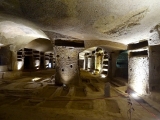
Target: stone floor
<point>27,98</point>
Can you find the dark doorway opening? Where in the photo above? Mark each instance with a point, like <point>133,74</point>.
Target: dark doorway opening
<point>28,63</point>
<point>42,63</point>
<point>122,65</point>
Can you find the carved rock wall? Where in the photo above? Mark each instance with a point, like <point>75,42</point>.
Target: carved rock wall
<point>139,74</point>
<point>67,70</point>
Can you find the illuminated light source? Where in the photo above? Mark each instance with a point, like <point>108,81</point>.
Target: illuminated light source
<point>135,95</point>
<point>66,78</point>
<point>49,65</point>
<point>37,63</point>
<point>19,65</point>
<point>35,79</point>
<point>70,47</point>
<point>105,69</point>
<point>96,71</point>
<point>103,76</point>
<point>37,67</point>
<point>89,63</point>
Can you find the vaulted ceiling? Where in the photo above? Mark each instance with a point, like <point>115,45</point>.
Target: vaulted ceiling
<point>122,21</point>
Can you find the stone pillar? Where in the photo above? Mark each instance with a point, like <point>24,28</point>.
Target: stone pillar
<point>36,59</point>
<point>138,67</point>
<point>36,64</point>
<point>5,58</point>
<point>85,65</point>
<point>13,62</point>
<point>92,62</point>
<point>89,63</point>
<point>42,61</point>
<point>54,63</point>
<point>51,63</point>
<point>98,61</point>
<point>139,74</point>
<point>67,70</point>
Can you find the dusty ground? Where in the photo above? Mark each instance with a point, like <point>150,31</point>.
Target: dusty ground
<point>23,99</point>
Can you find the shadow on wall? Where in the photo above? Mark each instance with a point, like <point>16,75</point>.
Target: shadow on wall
<point>122,65</point>
<point>5,58</point>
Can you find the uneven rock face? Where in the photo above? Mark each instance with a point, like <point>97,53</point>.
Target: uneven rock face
<point>155,35</point>
<point>10,6</point>
<point>121,21</point>
<point>48,8</point>
<point>120,25</point>
<point>67,70</point>
<point>5,55</point>
<point>118,21</point>
<point>139,74</point>
<point>154,66</point>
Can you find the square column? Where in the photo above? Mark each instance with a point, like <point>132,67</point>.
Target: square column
<point>67,69</point>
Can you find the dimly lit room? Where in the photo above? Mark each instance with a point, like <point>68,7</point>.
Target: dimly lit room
<point>79,60</point>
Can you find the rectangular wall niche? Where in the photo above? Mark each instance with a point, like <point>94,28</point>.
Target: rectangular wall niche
<point>139,53</point>
<point>139,74</point>
<point>70,43</point>
<point>139,45</point>
<point>144,67</point>
<point>30,59</point>
<point>138,67</point>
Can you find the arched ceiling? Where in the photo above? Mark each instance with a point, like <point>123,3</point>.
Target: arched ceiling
<point>18,32</point>
<point>11,26</point>
<point>108,48</point>
<point>40,44</point>
<point>122,21</point>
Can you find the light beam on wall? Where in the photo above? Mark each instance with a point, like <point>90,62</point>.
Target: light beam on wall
<point>19,65</point>
<point>50,65</point>
<point>47,63</point>
<point>139,74</point>
<point>37,63</point>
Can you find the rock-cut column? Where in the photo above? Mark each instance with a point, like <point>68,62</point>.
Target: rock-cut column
<point>85,64</point>
<point>92,62</point>
<point>98,61</point>
<point>67,70</point>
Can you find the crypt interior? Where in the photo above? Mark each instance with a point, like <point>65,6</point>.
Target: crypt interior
<point>79,60</point>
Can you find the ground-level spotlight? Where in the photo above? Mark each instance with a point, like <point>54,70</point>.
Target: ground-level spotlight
<point>35,79</point>
<point>103,76</point>
<point>134,95</point>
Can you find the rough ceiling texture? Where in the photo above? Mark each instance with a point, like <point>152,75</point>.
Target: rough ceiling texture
<point>122,21</point>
